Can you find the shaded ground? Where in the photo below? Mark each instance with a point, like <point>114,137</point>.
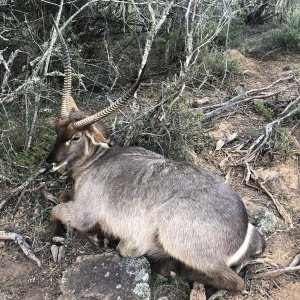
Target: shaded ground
<point>20,278</point>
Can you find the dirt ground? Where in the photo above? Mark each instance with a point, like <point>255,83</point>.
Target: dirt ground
<point>21,278</point>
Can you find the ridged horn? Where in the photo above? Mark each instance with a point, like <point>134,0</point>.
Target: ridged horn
<point>67,100</point>
<point>107,111</point>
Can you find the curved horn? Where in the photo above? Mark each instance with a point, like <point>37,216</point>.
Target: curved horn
<point>105,112</point>
<point>66,97</point>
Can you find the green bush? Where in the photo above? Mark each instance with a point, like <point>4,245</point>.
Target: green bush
<point>217,64</point>
<point>235,34</point>
<point>294,21</point>
<point>263,109</point>
<point>283,39</point>
<point>170,134</point>
<point>286,37</point>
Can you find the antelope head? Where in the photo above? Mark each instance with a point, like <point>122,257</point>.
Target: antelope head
<point>78,135</point>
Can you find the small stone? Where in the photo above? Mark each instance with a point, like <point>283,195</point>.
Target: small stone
<point>106,274</point>
<point>119,286</point>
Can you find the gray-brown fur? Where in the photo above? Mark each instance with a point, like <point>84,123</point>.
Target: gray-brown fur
<point>155,206</point>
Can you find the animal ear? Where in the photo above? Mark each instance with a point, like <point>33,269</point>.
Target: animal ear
<point>97,137</point>
<point>71,104</point>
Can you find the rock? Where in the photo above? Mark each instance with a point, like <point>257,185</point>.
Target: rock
<point>107,276</point>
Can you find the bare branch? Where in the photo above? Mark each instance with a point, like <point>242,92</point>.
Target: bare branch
<point>245,97</point>
<point>16,190</point>
<point>295,261</point>
<point>263,138</point>
<point>4,235</point>
<point>53,38</point>
<point>274,273</point>
<point>34,118</point>
<point>281,210</point>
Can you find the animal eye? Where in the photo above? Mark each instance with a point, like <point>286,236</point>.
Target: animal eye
<point>76,138</point>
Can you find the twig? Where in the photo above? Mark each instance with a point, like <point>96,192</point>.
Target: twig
<point>281,210</point>
<point>32,81</point>
<point>19,201</point>
<point>262,139</point>
<point>155,26</point>
<point>246,96</point>
<point>37,188</point>
<point>53,38</point>
<point>7,65</point>
<point>274,273</point>
<point>12,193</point>
<point>236,100</point>
<point>4,235</point>
<point>270,85</point>
<point>34,118</point>
<point>295,261</point>
<point>290,104</point>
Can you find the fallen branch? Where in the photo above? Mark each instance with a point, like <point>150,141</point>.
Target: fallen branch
<point>295,261</point>
<point>237,100</point>
<point>281,210</point>
<point>274,273</point>
<point>244,97</point>
<point>4,235</point>
<point>15,191</point>
<point>295,101</point>
<point>270,85</point>
<point>262,139</point>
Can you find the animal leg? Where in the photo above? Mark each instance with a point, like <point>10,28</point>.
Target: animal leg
<point>57,226</point>
<point>66,196</point>
<point>66,214</point>
<point>126,250</point>
<point>221,277</point>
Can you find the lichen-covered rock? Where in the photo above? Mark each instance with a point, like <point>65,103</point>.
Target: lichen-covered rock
<point>107,276</point>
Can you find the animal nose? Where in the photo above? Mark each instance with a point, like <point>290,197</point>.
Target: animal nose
<point>49,165</point>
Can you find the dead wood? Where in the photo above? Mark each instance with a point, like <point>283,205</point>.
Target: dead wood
<point>281,210</point>
<point>5,235</point>
<point>295,261</point>
<point>263,138</point>
<point>274,273</point>
<point>21,187</point>
<point>245,97</point>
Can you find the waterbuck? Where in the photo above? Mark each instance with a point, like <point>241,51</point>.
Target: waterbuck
<point>155,206</point>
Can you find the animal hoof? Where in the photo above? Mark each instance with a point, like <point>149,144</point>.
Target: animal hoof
<point>54,251</point>
<point>58,249</point>
<point>61,254</point>
<point>58,253</point>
